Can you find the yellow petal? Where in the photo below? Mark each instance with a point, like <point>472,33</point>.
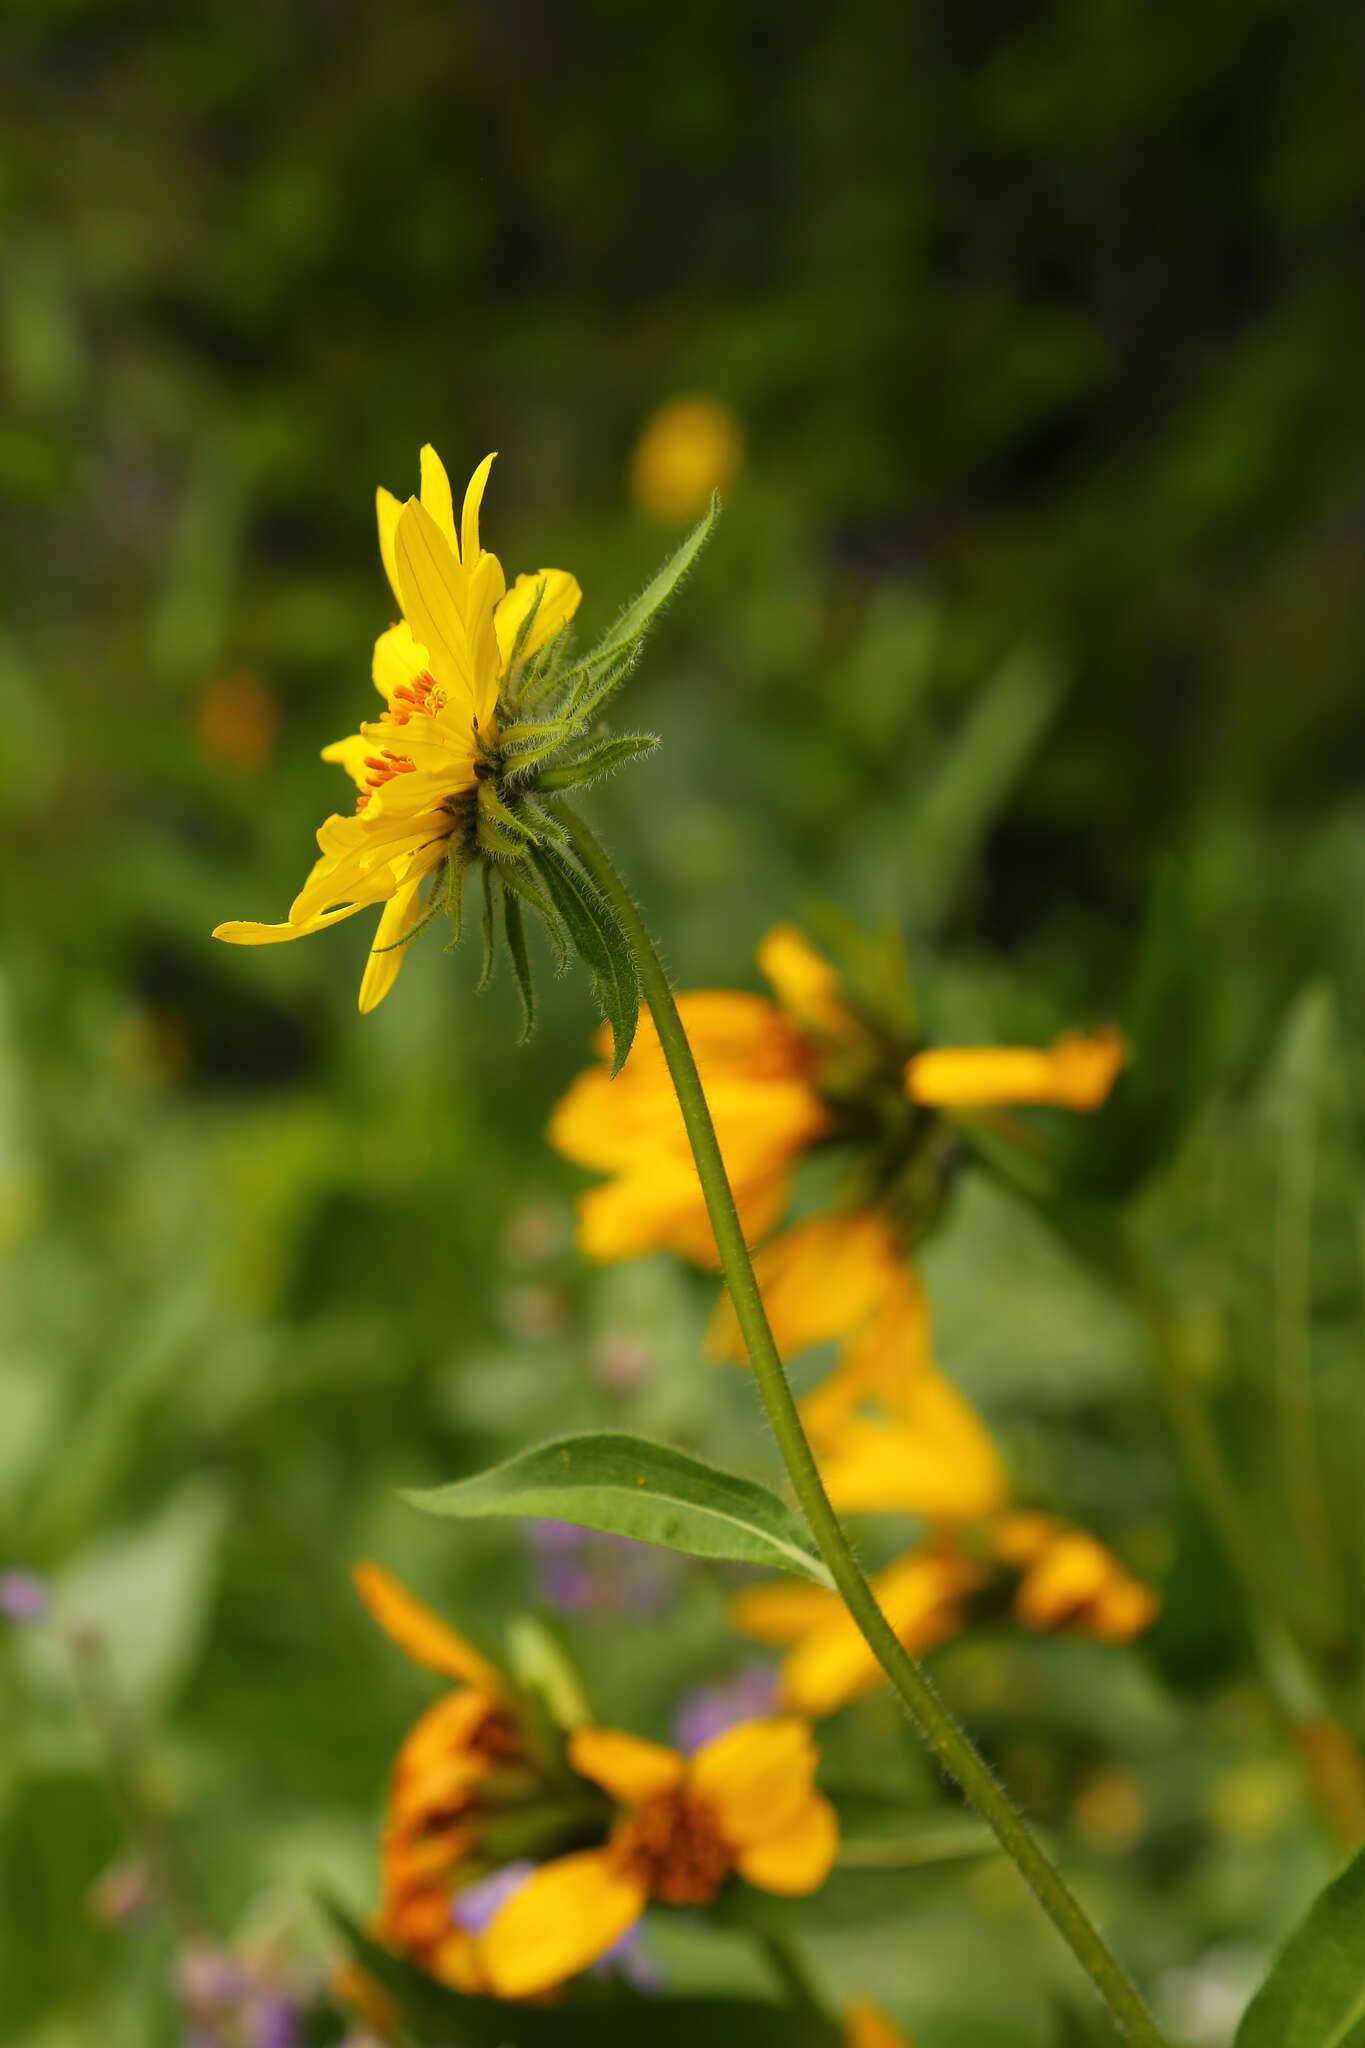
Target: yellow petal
<point>566,1915</point>
<point>559,600</point>
<point>819,1280</point>
<point>398,659</point>
<point>435,593</point>
<point>469,516</point>
<point>808,988</point>
<point>933,1456</point>
<point>627,1766</point>
<point>832,1664</point>
<point>420,1633</point>
<point>1076,1583</point>
<point>388,508</point>
<point>401,913</point>
<point>351,754</point>
<point>244,933</point>
<point>754,1776</point>
<point>866,2026</point>
<point>883,1360</point>
<point>1076,1072</point>
<point>436,495</point>
<point>782,1613</point>
<point>797,1857</point>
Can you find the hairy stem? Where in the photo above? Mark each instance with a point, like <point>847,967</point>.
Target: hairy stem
<point>936,1724</point>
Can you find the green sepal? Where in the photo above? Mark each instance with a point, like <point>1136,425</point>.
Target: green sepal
<point>488,930</point>
<point>494,812</point>
<point>596,936</point>
<point>454,900</point>
<point>603,759</point>
<point>515,878</point>
<point>514,931</point>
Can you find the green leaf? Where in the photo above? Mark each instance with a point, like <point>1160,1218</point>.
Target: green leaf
<point>627,1486</point>
<point>514,930</point>
<point>609,2017</point>
<point>598,939</point>
<point>603,759</point>
<point>1314,1996</point>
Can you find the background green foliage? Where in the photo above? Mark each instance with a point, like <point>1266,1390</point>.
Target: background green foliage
<point>1034,623</point>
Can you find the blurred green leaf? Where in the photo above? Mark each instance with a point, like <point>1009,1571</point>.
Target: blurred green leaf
<point>627,1486</point>
<point>1314,1996</point>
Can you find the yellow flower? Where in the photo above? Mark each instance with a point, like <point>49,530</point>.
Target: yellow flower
<point>433,1815</point>
<point>819,1280</point>
<point>866,2026</point>
<point>757,1071</point>
<point>746,1803</point>
<point>1070,1581</point>
<point>439,672</point>
<point>689,448</point>
<point>829,1662</point>
<point>1075,1072</point>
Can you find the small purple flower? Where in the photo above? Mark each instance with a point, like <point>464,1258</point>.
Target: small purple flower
<point>23,1597</point>
<point>579,1571</point>
<point>708,1710</point>
<point>629,1959</point>
<point>474,1907</point>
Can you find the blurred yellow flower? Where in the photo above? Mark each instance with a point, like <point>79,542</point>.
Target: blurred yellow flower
<point>433,1816</point>
<point>746,1803</point>
<point>1070,1581</point>
<point>829,1660</point>
<point>689,448</point>
<point>438,671</point>
<point>236,720</point>
<point>758,1074</point>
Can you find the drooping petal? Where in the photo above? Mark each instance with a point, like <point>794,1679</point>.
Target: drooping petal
<point>797,1857</point>
<point>401,913</point>
<point>754,1776</point>
<point>420,1633</point>
<point>436,495</point>
<point>819,1280</point>
<point>808,988</point>
<point>627,1766</point>
<point>243,932</point>
<point>559,600</point>
<point>1076,1072</point>
<point>565,1916</point>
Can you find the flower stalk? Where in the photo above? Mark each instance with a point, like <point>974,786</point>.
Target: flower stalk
<point>948,1742</point>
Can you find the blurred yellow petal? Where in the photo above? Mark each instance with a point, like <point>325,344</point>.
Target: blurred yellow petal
<point>687,449</point>
<point>807,987</point>
<point>883,1359</point>
<point>418,1632</point>
<point>436,495</point>
<point>866,2026</point>
<point>919,1595</point>
<point>1076,1072</point>
<point>559,599</point>
<point>819,1280</point>
<point>566,1915</point>
<point>797,1857</point>
<point>783,1612</point>
<point>401,913</point>
<point>933,1456</point>
<point>754,1776</point>
<point>1074,1583</point>
<point>388,508</point>
<point>627,1766</point>
<point>469,516</point>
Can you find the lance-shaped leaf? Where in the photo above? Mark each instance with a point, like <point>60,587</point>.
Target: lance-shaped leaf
<point>591,681</point>
<point>598,939</point>
<point>1314,1996</point>
<point>603,759</point>
<point>627,1486</point>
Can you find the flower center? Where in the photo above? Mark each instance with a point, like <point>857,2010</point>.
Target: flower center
<point>672,1845</point>
<point>421,694</point>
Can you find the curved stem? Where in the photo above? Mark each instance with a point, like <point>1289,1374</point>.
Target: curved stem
<point>940,1731</point>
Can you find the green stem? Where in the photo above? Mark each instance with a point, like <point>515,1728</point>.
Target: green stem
<point>940,1731</point>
